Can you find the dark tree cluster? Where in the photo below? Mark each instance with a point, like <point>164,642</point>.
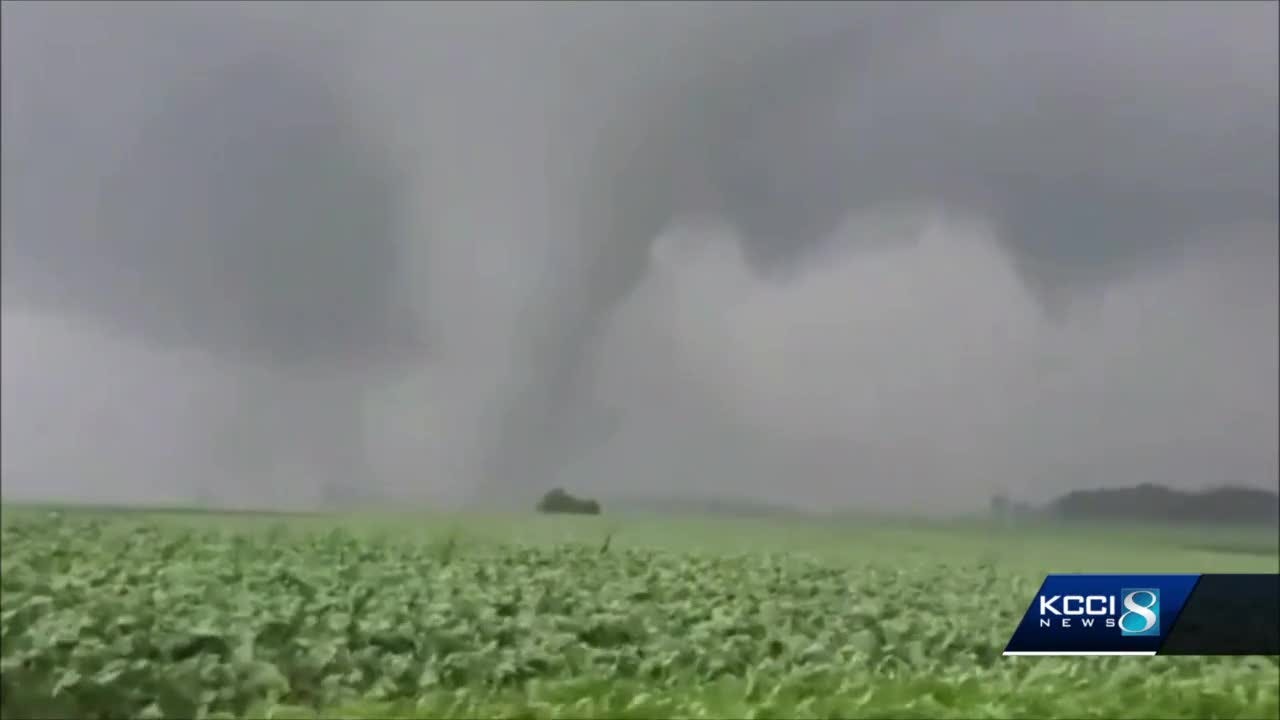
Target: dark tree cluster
<point>559,501</point>
<point>1156,503</point>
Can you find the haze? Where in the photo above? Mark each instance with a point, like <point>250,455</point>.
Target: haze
<point>866,256</point>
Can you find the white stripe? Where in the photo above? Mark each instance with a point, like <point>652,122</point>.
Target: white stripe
<point>1080,653</point>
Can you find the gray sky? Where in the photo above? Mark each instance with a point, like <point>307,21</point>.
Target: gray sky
<point>877,255</point>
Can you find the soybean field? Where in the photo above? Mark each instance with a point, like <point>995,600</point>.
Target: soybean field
<point>164,615</point>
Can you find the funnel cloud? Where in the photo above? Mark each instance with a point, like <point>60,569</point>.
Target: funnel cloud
<point>866,255</point>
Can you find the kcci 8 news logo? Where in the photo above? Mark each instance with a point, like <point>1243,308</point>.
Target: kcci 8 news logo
<point>1101,614</point>
<point>1140,614</point>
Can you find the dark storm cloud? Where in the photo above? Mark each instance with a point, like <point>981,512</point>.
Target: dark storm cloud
<point>196,183</point>
<point>1094,135</point>
<point>327,185</point>
<point>1095,138</point>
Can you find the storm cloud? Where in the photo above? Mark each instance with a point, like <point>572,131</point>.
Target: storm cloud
<point>897,254</point>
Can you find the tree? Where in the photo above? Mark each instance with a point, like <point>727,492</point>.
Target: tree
<point>999,505</point>
<point>559,501</point>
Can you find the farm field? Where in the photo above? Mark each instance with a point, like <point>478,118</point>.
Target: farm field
<point>167,614</point>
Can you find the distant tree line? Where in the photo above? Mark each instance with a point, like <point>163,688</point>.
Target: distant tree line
<point>1145,503</point>
<point>1154,504</point>
<point>559,501</point>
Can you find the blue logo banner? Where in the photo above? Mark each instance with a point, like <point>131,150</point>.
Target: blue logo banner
<point>1101,614</point>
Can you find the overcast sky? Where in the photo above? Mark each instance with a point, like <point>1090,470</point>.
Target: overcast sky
<point>837,254</point>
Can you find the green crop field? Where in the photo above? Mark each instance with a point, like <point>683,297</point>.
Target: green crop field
<point>115,614</point>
